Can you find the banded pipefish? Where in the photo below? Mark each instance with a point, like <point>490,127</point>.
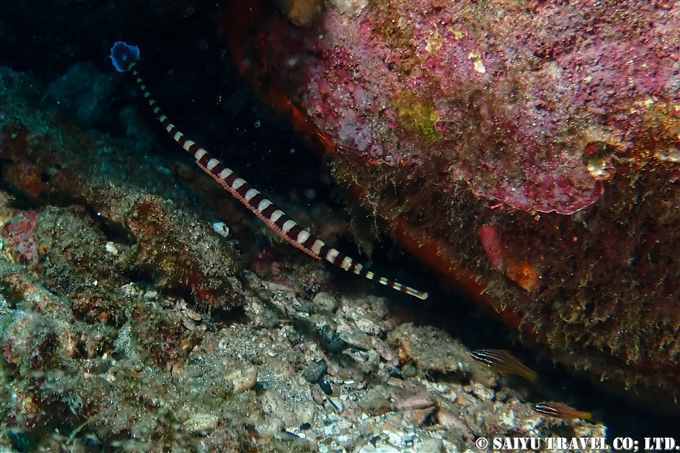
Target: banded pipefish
<point>124,58</point>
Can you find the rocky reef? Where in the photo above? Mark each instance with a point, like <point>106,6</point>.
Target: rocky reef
<point>129,322</point>
<point>528,151</point>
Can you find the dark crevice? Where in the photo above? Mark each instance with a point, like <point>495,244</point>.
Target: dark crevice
<point>140,277</point>
<point>225,317</point>
<point>113,231</point>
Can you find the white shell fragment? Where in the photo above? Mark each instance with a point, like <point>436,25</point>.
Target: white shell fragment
<point>110,247</point>
<point>243,380</point>
<point>221,228</point>
<point>201,423</point>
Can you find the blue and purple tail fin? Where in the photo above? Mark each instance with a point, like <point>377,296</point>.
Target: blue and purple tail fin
<point>124,56</point>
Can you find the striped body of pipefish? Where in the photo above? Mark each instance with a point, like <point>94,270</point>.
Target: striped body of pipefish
<point>124,58</point>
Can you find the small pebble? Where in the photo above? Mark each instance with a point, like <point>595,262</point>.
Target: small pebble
<point>286,436</point>
<point>111,248</point>
<point>409,371</point>
<point>482,392</point>
<point>451,421</point>
<point>356,338</point>
<point>314,372</point>
<point>318,396</point>
<point>415,402</point>
<point>325,302</point>
<point>201,423</point>
<point>381,449</point>
<point>430,446</point>
<point>191,314</point>
<point>337,403</point>
<point>243,380</point>
<point>325,386</point>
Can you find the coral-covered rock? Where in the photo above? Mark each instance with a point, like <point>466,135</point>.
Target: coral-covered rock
<point>19,239</point>
<point>526,150</point>
<point>126,216</point>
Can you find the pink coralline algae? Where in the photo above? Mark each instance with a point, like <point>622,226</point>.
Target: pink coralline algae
<point>502,96</point>
<point>19,239</point>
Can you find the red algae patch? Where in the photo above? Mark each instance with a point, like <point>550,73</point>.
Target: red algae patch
<point>492,246</point>
<point>519,271</point>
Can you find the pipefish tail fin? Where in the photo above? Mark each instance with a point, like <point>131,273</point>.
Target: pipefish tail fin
<point>124,58</point>
<point>503,362</point>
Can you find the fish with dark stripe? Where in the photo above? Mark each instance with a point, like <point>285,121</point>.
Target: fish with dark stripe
<point>563,411</point>
<point>124,58</point>
<point>503,362</point>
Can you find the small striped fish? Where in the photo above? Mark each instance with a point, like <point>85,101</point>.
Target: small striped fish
<point>561,410</point>
<point>124,58</point>
<point>503,362</point>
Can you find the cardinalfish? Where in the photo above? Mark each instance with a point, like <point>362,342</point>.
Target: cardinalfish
<point>563,411</point>
<point>503,362</point>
